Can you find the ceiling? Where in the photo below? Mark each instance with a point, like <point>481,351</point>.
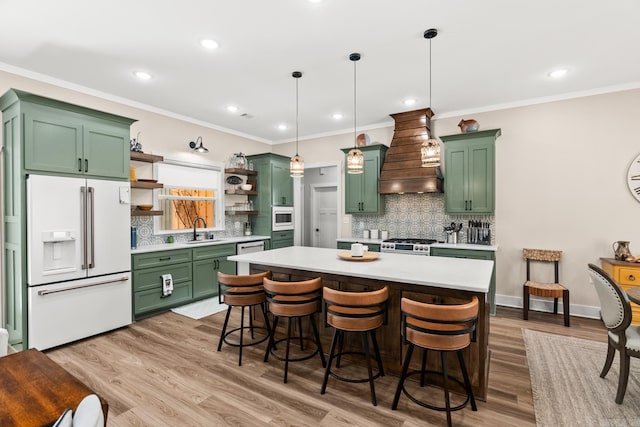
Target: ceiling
<point>488,54</point>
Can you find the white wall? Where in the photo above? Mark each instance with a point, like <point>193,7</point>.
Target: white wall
<point>560,166</point>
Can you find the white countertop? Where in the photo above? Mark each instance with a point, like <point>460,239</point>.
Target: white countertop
<point>360,240</point>
<point>452,273</point>
<point>178,245</point>
<point>468,246</point>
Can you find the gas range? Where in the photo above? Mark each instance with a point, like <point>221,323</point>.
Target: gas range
<point>407,246</point>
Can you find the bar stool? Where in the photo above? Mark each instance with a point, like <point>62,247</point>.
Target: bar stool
<point>361,312</point>
<point>443,328</point>
<point>242,291</point>
<point>293,300</point>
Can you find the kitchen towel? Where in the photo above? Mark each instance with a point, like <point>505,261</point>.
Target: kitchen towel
<point>167,285</point>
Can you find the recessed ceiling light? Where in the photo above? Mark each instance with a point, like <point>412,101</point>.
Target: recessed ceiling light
<point>282,127</point>
<point>556,74</point>
<point>142,75</point>
<point>209,44</point>
<point>337,116</point>
<point>409,101</point>
<point>232,108</point>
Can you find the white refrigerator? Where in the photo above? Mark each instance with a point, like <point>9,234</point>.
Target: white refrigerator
<point>78,259</point>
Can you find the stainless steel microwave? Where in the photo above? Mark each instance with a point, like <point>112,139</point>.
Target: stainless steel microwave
<point>282,218</point>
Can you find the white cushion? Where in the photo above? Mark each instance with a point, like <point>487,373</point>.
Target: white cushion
<point>4,341</point>
<point>633,337</point>
<point>64,420</point>
<point>89,413</point>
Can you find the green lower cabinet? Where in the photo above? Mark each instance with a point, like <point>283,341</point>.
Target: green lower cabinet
<point>281,239</point>
<point>194,273</point>
<point>473,254</point>
<point>207,261</point>
<point>347,245</point>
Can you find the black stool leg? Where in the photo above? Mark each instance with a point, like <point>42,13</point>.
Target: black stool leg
<point>403,376</point>
<point>300,333</point>
<point>555,306</point>
<point>251,312</point>
<point>241,336</point>
<point>317,338</point>
<point>266,318</point>
<point>424,366</point>
<point>224,327</point>
<point>365,344</point>
<point>272,340</point>
<point>334,340</point>
<point>525,303</point>
<point>340,348</point>
<point>377,352</point>
<point>445,385</point>
<point>467,383</point>
<point>286,357</point>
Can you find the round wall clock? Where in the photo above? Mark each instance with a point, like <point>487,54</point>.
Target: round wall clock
<point>633,178</point>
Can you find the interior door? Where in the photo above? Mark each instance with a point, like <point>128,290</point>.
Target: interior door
<point>325,215</point>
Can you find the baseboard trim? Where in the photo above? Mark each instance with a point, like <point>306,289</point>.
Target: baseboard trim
<point>546,305</point>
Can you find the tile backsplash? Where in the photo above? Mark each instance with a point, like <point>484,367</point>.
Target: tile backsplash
<point>416,216</point>
<point>232,225</point>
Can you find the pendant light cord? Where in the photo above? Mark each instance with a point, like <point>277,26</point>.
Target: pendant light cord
<point>296,116</point>
<point>430,74</point>
<point>354,106</point>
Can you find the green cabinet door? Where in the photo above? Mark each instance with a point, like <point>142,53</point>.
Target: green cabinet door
<point>207,261</point>
<point>53,142</point>
<point>361,190</point>
<point>473,254</point>
<point>282,184</point>
<point>106,150</point>
<point>68,142</point>
<point>281,239</point>
<point>470,172</point>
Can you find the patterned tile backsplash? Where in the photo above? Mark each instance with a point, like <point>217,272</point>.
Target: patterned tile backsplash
<point>232,225</point>
<point>416,216</point>
<point>407,215</point>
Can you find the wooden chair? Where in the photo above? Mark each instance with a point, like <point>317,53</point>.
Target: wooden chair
<point>443,328</point>
<point>293,300</point>
<point>242,291</point>
<point>615,311</point>
<point>359,312</point>
<point>549,290</point>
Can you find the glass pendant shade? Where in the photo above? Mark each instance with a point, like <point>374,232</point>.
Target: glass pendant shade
<point>355,161</point>
<point>430,153</point>
<point>296,166</point>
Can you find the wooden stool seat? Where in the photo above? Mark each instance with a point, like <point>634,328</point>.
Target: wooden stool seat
<point>358,312</point>
<point>541,289</point>
<point>244,291</point>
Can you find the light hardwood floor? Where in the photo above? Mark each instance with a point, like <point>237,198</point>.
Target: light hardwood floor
<point>165,371</point>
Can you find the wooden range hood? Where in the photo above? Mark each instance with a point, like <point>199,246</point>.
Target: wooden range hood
<point>402,171</point>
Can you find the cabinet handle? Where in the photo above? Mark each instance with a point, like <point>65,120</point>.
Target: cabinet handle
<point>470,205</point>
<point>86,165</point>
<point>632,277</point>
<point>164,259</point>
<point>284,200</point>
<point>466,205</point>
<point>79,165</point>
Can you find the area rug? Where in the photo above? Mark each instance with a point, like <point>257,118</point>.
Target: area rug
<point>566,384</point>
<point>200,309</point>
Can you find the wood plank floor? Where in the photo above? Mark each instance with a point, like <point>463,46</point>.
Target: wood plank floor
<point>165,371</point>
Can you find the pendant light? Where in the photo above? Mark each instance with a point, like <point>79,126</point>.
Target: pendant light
<point>430,150</point>
<point>296,166</point>
<point>355,160</point>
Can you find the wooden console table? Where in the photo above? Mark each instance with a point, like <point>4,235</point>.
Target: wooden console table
<point>34,390</point>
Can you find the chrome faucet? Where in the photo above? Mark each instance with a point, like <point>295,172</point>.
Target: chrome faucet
<point>195,221</point>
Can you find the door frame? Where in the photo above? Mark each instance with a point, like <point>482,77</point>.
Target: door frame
<point>299,196</point>
<point>314,211</point>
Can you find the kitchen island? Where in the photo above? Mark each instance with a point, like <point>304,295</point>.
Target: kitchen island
<point>429,279</point>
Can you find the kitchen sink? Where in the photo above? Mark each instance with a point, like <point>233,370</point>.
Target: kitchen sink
<point>196,242</point>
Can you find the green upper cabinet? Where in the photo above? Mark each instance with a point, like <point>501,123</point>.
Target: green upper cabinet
<point>63,138</point>
<point>469,160</point>
<point>282,183</point>
<point>361,190</point>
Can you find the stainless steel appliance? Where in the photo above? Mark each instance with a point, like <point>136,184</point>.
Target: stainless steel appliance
<point>407,246</point>
<point>78,258</point>
<point>282,218</point>
<point>247,248</point>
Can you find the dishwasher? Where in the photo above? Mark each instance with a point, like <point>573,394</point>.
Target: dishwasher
<point>247,248</point>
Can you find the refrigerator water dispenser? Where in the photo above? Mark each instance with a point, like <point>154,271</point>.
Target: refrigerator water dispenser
<point>59,249</point>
